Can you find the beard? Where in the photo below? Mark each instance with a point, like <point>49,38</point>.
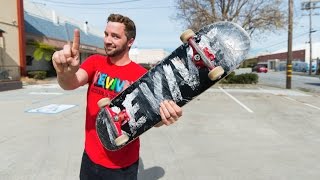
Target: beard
<point>113,51</point>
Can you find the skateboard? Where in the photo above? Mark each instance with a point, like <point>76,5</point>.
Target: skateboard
<point>204,58</point>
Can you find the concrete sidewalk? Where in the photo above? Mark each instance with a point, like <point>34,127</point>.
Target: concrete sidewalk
<point>217,137</point>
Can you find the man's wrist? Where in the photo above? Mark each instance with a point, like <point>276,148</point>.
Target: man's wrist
<point>66,80</point>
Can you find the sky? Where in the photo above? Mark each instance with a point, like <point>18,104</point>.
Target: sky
<point>278,40</point>
<point>156,27</point>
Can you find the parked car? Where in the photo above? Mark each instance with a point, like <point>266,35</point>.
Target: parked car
<point>300,66</point>
<point>260,68</point>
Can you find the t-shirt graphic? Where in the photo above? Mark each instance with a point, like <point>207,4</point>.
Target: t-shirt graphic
<point>113,85</point>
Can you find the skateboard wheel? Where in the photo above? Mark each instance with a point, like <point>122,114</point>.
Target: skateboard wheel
<point>104,102</point>
<point>197,57</point>
<point>121,139</point>
<point>186,35</point>
<point>215,73</point>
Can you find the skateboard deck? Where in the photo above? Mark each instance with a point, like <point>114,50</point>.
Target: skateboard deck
<point>202,60</point>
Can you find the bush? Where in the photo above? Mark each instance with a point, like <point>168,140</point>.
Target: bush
<point>37,74</point>
<point>247,78</point>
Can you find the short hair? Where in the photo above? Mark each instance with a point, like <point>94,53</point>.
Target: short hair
<point>130,28</point>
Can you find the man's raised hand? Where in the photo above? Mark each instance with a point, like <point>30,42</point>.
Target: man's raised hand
<point>67,60</point>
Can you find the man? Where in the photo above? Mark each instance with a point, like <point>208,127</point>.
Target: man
<point>97,162</point>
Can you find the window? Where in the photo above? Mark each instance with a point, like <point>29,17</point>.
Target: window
<point>29,60</point>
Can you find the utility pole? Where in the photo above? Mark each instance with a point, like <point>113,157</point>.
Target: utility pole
<point>289,59</point>
<point>310,5</point>
<point>310,38</point>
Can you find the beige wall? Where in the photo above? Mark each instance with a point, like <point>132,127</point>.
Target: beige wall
<point>147,56</point>
<point>9,43</point>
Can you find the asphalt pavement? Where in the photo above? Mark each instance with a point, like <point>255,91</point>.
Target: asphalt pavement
<point>250,132</point>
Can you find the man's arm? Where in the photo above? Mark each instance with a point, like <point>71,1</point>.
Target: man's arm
<point>67,62</point>
<point>72,81</point>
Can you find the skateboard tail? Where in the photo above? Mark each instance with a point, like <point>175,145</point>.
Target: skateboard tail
<point>109,124</point>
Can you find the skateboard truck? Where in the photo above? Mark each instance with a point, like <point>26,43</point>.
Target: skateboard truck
<point>117,119</point>
<point>202,57</point>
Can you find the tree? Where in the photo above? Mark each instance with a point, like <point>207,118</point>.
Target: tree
<point>252,15</point>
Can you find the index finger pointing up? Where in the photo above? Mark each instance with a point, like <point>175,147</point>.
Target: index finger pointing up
<point>76,40</point>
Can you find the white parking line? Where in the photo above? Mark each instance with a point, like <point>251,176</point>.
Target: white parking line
<point>45,93</point>
<point>43,86</point>
<point>285,92</point>
<point>310,105</point>
<point>236,100</point>
<point>265,91</point>
<point>47,86</point>
<point>291,99</point>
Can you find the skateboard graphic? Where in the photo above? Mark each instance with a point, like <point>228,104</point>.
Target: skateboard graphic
<point>202,60</point>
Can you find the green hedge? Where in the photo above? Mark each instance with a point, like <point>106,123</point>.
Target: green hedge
<point>247,78</point>
<point>37,74</point>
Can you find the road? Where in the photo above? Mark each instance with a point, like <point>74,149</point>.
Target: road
<point>300,82</point>
<point>229,132</point>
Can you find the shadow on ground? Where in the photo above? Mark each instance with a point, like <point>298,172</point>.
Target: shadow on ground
<point>153,173</point>
<point>314,84</point>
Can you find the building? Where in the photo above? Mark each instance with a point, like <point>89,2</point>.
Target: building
<point>301,54</point>
<point>147,57</point>
<point>30,33</point>
<point>27,27</point>
<point>275,61</point>
<point>11,44</point>
<point>46,28</point>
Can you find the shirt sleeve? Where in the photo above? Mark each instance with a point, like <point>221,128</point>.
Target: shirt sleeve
<point>89,66</point>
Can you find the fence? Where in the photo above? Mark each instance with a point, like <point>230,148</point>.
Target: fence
<point>9,73</point>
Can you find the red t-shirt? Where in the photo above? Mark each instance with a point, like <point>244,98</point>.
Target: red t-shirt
<point>107,80</point>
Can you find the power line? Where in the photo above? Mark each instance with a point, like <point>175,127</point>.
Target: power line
<point>103,8</point>
<point>88,4</point>
<point>84,5</point>
<point>281,42</point>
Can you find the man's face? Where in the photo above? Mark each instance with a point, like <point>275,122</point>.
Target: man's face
<point>115,40</point>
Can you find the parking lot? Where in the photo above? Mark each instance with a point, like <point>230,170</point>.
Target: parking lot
<point>229,132</point>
